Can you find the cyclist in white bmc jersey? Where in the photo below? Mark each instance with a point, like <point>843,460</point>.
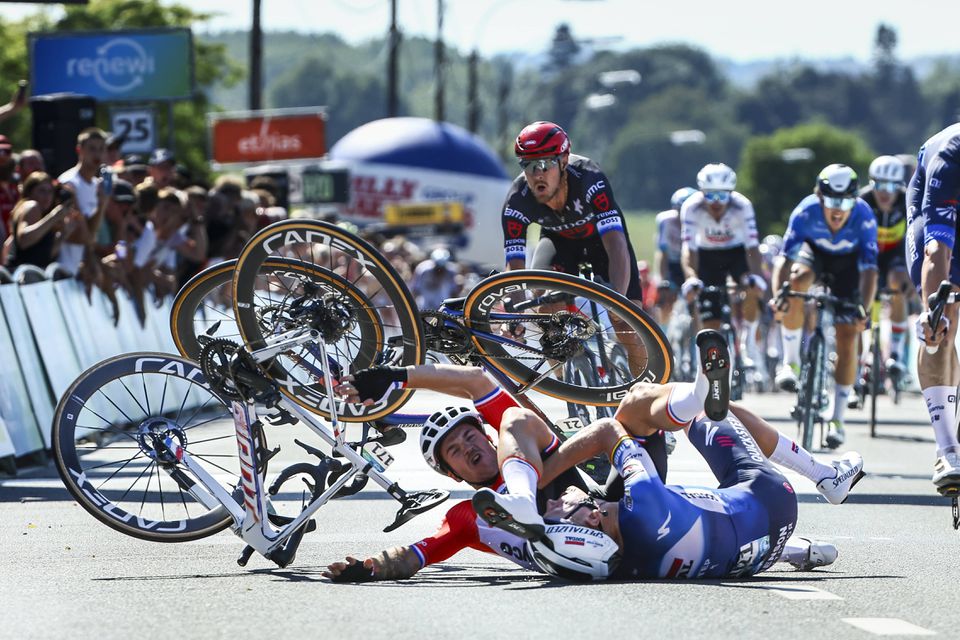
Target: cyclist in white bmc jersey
<point>720,240</point>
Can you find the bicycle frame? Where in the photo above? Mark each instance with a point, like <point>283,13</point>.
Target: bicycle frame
<point>251,521</point>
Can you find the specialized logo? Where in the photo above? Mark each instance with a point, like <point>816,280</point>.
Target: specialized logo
<point>664,529</point>
<point>120,65</point>
<point>845,476</point>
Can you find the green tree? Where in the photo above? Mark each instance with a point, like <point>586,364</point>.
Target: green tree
<point>210,63</point>
<point>776,173</point>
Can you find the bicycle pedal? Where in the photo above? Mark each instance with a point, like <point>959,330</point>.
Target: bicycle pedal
<point>949,490</point>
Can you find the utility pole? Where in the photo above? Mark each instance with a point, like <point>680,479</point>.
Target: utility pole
<point>439,114</point>
<point>393,46</point>
<point>256,59</point>
<point>473,104</point>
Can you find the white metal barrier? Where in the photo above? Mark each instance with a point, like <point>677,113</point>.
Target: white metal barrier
<point>50,333</point>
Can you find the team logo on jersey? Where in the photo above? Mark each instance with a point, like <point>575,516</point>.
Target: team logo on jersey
<point>664,529</point>
<point>514,229</point>
<point>601,202</point>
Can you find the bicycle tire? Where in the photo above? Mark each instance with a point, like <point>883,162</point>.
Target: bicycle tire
<point>330,248</point>
<point>480,315</point>
<point>812,385</point>
<point>875,379</point>
<point>127,383</point>
<point>192,305</point>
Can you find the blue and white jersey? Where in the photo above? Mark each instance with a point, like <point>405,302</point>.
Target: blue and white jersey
<point>669,239</point>
<point>697,532</point>
<point>808,225</point>
<point>934,190</point>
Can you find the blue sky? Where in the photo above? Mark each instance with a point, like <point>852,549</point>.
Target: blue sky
<point>737,29</point>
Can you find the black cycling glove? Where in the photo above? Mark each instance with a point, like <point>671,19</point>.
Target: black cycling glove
<point>355,572</point>
<point>376,383</point>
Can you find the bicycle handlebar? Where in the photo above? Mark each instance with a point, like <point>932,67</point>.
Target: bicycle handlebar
<point>937,302</point>
<point>820,298</point>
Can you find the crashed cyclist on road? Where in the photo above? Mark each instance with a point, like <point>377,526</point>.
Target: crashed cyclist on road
<point>454,443</point>
<point>659,531</point>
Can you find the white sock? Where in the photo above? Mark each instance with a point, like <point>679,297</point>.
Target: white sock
<point>841,393</point>
<point>686,399</point>
<point>942,406</point>
<point>750,337</point>
<point>791,455</point>
<point>791,345</point>
<point>520,477</point>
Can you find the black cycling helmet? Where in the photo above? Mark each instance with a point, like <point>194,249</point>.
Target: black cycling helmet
<point>838,181</point>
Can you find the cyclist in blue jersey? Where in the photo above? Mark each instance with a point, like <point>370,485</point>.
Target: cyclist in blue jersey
<point>830,232</point>
<point>931,236</point>
<point>669,249</point>
<point>659,531</point>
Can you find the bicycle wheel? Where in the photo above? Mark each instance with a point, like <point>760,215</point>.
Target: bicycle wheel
<point>204,301</point>
<point>374,296</point>
<point>811,385</point>
<point>554,336</point>
<point>101,443</point>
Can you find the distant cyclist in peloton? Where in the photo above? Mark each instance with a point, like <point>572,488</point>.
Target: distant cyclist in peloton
<point>831,232</point>
<point>886,195</point>
<point>580,221</point>
<point>669,245</point>
<point>720,240</point>
<point>931,237</point>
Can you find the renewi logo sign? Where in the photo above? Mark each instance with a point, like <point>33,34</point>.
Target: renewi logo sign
<point>127,65</point>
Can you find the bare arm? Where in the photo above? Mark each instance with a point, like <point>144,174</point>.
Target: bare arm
<point>781,272</point>
<point>753,261</point>
<point>868,286</point>
<point>689,261</point>
<point>600,437</point>
<point>513,265</point>
<point>35,226</point>
<point>396,563</point>
<point>618,257</point>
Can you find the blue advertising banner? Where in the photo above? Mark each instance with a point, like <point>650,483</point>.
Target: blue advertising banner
<point>143,64</point>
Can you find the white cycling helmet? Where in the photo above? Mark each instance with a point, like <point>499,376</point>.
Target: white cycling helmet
<point>680,196</point>
<point>888,169</point>
<point>717,177</point>
<point>436,428</point>
<point>576,553</point>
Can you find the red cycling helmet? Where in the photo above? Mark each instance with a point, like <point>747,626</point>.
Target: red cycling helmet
<point>541,139</point>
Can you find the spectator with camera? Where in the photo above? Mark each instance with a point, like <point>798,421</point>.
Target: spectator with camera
<point>38,222</point>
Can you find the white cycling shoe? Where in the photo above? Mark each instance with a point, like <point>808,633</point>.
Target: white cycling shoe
<point>786,378</point>
<point>946,470</point>
<point>849,471</point>
<point>818,554</point>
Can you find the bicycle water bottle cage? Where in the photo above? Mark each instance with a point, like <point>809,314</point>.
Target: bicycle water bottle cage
<point>415,503</point>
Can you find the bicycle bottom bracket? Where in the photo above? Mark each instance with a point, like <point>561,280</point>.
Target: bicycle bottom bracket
<point>152,435</point>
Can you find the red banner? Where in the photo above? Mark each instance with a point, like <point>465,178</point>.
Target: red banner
<point>260,138</point>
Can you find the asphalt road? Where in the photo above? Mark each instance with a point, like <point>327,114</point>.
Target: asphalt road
<point>63,574</point>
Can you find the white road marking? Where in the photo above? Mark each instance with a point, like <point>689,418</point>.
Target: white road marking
<point>800,592</point>
<point>888,627</point>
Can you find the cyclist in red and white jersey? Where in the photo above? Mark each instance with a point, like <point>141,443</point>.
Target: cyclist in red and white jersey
<point>454,443</point>
<point>719,230</point>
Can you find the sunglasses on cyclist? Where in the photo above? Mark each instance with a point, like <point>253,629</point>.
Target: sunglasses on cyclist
<point>543,164</point>
<point>844,204</point>
<point>887,186</point>
<point>721,197</point>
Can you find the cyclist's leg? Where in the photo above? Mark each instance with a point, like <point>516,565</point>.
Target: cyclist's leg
<point>803,272</point>
<point>750,305</point>
<point>713,267</point>
<point>939,372</point>
<point>846,285</point>
<point>636,352</point>
<point>898,280</point>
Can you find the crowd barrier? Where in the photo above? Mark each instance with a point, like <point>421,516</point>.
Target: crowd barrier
<point>49,334</point>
